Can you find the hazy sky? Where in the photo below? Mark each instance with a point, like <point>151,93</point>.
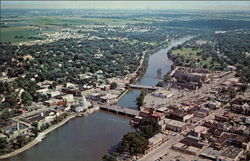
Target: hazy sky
<point>200,5</point>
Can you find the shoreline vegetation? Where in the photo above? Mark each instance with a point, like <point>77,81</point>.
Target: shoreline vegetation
<point>38,139</point>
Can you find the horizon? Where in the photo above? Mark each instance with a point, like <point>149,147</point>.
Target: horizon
<point>131,5</point>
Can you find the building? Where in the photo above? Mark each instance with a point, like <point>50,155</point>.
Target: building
<point>185,148</point>
<point>173,125</point>
<point>108,98</point>
<point>156,141</point>
<point>151,113</point>
<point>44,91</point>
<point>230,154</point>
<point>179,115</point>
<point>61,109</point>
<point>247,131</point>
<point>189,78</point>
<point>54,102</point>
<point>69,98</point>
<point>95,96</point>
<point>80,108</point>
<point>198,132</point>
<point>176,126</point>
<point>83,106</point>
<point>214,104</point>
<point>54,93</point>
<point>14,130</point>
<point>210,153</point>
<point>42,118</point>
<point>162,123</point>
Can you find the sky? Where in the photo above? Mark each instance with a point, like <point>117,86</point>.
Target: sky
<point>187,5</point>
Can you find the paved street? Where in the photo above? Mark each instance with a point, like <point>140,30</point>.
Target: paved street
<point>162,150</point>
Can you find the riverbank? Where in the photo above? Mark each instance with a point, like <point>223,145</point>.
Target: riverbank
<point>38,139</point>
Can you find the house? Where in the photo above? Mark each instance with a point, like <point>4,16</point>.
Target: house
<point>27,57</point>
<point>71,85</point>
<point>44,91</point>
<point>53,93</point>
<point>75,92</point>
<point>59,87</point>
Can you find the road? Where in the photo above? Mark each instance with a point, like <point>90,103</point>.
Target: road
<point>161,150</point>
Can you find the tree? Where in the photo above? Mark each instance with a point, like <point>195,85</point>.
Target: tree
<point>11,99</point>
<point>148,128</point>
<point>133,143</point>
<point>113,85</point>
<point>3,145</point>
<point>140,99</point>
<point>20,141</point>
<point>26,98</point>
<point>108,157</point>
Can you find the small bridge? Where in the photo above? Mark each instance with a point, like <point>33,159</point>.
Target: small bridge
<point>143,87</point>
<point>120,110</point>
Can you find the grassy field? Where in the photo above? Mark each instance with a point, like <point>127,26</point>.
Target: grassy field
<point>17,34</point>
<point>80,21</point>
<point>195,56</point>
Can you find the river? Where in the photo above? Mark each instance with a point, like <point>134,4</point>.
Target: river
<point>158,60</point>
<point>88,138</point>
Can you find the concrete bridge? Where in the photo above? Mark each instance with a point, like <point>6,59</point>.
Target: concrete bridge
<point>136,86</point>
<point>120,110</point>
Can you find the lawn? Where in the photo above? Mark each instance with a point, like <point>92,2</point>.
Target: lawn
<point>17,34</point>
<point>195,56</point>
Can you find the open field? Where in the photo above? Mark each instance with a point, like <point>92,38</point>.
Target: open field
<point>196,55</point>
<point>17,34</point>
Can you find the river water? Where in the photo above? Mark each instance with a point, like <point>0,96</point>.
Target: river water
<point>89,138</point>
<point>158,60</point>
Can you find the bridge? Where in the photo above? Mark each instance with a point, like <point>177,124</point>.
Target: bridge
<point>120,110</point>
<point>136,86</point>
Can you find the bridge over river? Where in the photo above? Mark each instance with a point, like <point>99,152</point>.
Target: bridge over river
<point>136,86</point>
<point>120,110</point>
